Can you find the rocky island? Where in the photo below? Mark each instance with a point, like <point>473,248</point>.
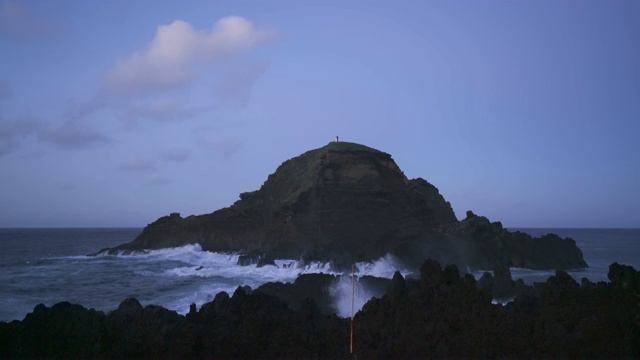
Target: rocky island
<point>342,203</point>
<point>345,203</point>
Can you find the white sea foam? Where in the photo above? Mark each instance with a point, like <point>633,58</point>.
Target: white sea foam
<point>345,294</point>
<point>384,267</point>
<point>222,273</point>
<point>51,267</point>
<point>348,295</point>
<point>501,301</point>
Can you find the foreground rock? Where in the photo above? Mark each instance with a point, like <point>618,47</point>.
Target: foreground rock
<point>323,289</point>
<point>444,315</point>
<point>346,203</point>
<point>441,314</point>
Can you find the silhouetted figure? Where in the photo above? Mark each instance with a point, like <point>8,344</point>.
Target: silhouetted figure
<point>337,139</point>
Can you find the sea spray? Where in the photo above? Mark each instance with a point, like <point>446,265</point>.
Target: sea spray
<point>383,267</point>
<point>343,294</point>
<point>49,265</point>
<point>172,277</point>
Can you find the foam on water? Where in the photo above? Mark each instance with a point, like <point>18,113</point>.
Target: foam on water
<point>224,274</point>
<point>350,295</point>
<point>178,277</point>
<point>216,272</point>
<point>48,266</point>
<point>347,294</point>
<point>384,267</point>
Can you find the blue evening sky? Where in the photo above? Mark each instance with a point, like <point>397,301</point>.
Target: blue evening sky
<point>114,113</point>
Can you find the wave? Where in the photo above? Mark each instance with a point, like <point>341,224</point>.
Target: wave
<point>384,267</point>
<point>348,297</point>
<point>211,273</point>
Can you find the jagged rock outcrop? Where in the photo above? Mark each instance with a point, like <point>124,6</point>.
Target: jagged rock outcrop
<point>321,288</point>
<point>482,244</point>
<point>344,203</point>
<point>307,286</point>
<point>442,314</point>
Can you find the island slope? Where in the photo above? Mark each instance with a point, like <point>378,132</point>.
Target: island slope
<point>347,202</point>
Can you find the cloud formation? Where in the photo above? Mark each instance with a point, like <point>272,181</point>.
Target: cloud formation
<point>66,136</point>
<point>171,58</point>
<point>237,81</point>
<point>137,165</point>
<point>223,149</point>
<point>162,109</point>
<point>12,133</point>
<point>175,155</point>
<point>71,136</point>
<point>156,180</point>
<point>18,23</point>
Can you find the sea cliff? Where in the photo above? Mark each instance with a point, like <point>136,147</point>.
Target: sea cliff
<point>345,203</point>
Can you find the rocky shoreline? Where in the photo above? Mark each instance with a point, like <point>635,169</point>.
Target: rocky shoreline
<point>345,203</point>
<point>439,314</point>
<point>340,204</point>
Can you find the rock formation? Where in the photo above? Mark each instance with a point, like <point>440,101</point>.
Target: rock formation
<point>345,203</point>
<point>442,314</point>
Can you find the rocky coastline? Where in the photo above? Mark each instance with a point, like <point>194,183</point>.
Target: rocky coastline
<point>345,203</point>
<point>441,313</point>
<point>340,204</point>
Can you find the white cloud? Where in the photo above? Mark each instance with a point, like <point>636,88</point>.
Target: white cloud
<point>170,59</point>
<point>237,81</point>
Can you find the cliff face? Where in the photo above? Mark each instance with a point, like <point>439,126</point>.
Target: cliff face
<point>346,202</point>
<point>343,201</point>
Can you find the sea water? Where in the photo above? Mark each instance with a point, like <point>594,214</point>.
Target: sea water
<point>51,265</point>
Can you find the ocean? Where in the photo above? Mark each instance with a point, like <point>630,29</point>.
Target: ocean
<point>51,265</point>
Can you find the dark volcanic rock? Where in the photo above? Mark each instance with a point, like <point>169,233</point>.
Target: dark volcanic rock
<point>343,202</point>
<point>257,258</point>
<point>316,287</point>
<point>322,289</point>
<point>500,284</point>
<point>624,276</point>
<point>440,315</point>
<point>481,244</point>
<point>346,203</point>
<point>443,315</point>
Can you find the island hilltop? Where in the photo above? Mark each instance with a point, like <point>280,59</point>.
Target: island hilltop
<point>347,202</point>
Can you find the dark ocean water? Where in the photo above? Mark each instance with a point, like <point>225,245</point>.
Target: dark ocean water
<point>51,265</point>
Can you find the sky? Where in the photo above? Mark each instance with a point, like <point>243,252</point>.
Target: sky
<point>115,113</point>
